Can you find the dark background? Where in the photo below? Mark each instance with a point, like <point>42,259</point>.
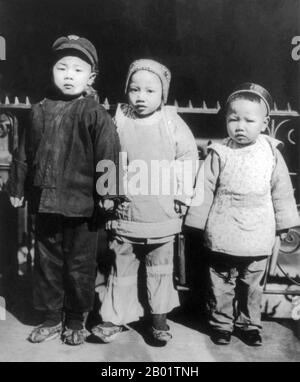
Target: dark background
<point>209,45</point>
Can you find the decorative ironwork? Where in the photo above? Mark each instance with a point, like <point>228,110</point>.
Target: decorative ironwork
<point>295,314</point>
<point>203,109</point>
<point>16,104</point>
<point>291,243</point>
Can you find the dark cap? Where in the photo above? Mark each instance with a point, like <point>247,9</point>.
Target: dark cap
<point>249,87</point>
<point>80,44</point>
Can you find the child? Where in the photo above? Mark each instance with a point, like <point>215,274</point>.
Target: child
<point>145,225</point>
<point>69,134</point>
<point>248,198</point>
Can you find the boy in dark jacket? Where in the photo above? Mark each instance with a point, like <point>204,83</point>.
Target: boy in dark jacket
<point>68,135</point>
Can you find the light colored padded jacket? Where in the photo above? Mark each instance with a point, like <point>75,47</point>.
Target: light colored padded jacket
<point>248,195</point>
<point>164,140</point>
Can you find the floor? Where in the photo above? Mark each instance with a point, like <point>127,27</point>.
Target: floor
<point>190,342</point>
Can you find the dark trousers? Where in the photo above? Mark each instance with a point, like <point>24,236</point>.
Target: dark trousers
<point>235,291</point>
<point>65,263</point>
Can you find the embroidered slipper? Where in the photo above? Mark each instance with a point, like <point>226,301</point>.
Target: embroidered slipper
<point>160,337</point>
<point>44,333</point>
<point>74,336</point>
<point>107,333</point>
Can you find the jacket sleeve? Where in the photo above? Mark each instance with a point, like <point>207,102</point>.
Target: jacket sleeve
<point>106,154</point>
<point>19,168</point>
<point>284,203</point>
<point>206,183</point>
<point>186,161</point>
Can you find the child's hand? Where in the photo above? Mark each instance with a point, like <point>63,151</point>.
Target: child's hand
<point>282,233</point>
<point>107,204</point>
<point>180,207</point>
<point>16,202</point>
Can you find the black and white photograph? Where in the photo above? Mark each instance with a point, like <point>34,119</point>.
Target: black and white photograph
<point>149,183</point>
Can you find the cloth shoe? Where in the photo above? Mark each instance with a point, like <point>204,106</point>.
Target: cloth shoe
<point>221,337</point>
<point>44,333</point>
<point>74,337</point>
<point>160,337</point>
<point>251,337</point>
<point>107,333</point>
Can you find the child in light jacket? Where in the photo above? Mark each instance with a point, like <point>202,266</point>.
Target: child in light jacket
<point>145,226</point>
<point>248,199</point>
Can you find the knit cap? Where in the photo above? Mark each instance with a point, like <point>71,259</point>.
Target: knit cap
<point>155,67</point>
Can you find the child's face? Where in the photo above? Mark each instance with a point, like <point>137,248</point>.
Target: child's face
<point>72,75</point>
<point>245,120</point>
<point>145,92</point>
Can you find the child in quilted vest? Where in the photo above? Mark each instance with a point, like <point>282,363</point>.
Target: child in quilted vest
<point>145,226</point>
<point>248,199</point>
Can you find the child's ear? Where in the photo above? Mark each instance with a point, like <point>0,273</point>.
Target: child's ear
<point>265,123</point>
<point>92,78</point>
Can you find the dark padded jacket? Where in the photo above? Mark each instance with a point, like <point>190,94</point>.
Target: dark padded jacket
<point>55,165</point>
